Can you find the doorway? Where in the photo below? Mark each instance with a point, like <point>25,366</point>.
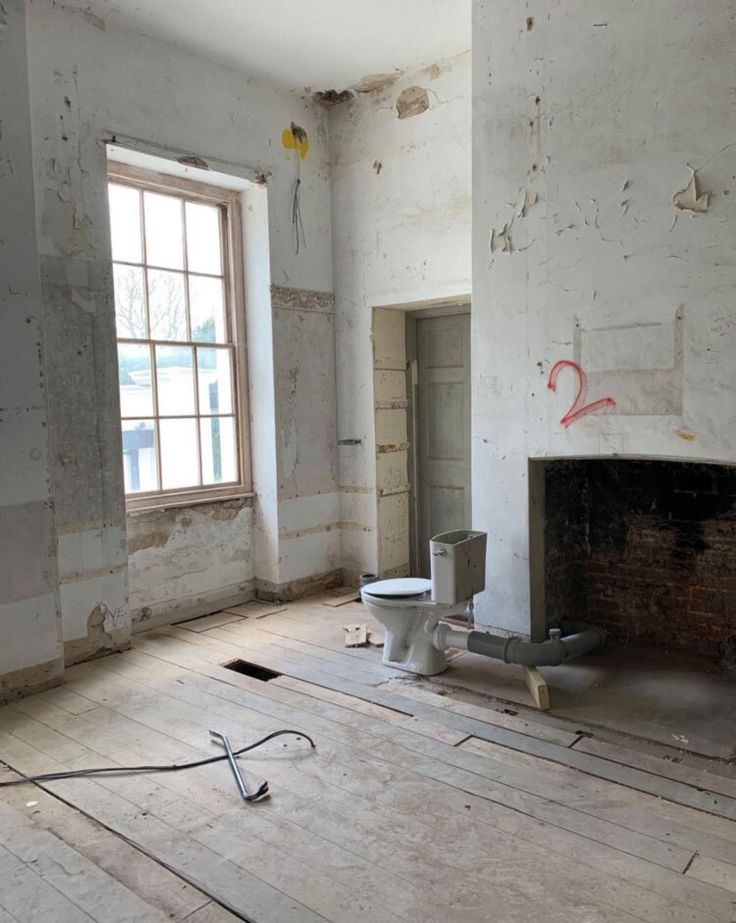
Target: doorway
<point>438,350</point>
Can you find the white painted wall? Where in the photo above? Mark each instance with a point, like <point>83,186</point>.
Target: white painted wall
<point>401,234</point>
<point>91,82</point>
<point>30,648</point>
<point>597,109</point>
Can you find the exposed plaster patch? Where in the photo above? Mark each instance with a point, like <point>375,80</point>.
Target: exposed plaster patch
<point>691,199</point>
<point>412,101</point>
<point>375,82</point>
<point>530,200</point>
<point>501,240</point>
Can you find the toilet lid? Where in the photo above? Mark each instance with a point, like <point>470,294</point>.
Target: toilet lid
<point>400,586</point>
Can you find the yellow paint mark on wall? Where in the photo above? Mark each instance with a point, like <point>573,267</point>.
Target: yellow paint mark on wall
<point>684,434</point>
<point>295,138</point>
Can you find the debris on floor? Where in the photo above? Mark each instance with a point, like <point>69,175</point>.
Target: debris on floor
<point>360,636</point>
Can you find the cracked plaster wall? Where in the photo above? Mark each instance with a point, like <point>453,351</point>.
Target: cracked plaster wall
<point>401,204</point>
<point>88,83</point>
<point>585,118</point>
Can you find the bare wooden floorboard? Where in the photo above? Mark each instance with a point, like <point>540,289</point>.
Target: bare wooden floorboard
<point>472,783</point>
<point>256,609</point>
<point>84,884</point>
<point>442,852</point>
<point>643,818</point>
<point>342,662</point>
<point>158,887</point>
<point>396,816</point>
<point>302,667</point>
<point>210,871</point>
<point>714,872</point>
<point>486,714</point>
<point>678,772</point>
<point>25,896</point>
<point>212,913</point>
<point>205,622</point>
<point>230,836</point>
<point>281,650</point>
<point>190,814</point>
<point>322,631</point>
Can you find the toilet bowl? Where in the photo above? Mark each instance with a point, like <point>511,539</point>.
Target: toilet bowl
<point>412,610</point>
<point>409,615</point>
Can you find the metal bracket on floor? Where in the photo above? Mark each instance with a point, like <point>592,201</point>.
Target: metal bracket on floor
<point>261,792</point>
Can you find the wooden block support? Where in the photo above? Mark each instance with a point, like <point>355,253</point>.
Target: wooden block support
<point>356,635</point>
<point>537,687</point>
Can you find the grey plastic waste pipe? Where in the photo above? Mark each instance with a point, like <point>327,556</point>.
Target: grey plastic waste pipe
<point>577,638</point>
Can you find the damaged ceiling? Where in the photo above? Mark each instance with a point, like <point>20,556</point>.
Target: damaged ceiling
<point>324,44</point>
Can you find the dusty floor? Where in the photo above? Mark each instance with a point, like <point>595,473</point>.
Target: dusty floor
<point>683,701</point>
<point>414,805</point>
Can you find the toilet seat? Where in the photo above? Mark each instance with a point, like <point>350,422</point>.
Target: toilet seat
<point>398,588</point>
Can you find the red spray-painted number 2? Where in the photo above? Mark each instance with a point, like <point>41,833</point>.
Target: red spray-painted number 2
<point>578,408</point>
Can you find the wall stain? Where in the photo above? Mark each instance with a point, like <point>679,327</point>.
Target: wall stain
<point>375,82</point>
<point>330,98</point>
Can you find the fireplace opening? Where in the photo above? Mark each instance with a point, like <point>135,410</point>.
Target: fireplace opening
<point>646,549</point>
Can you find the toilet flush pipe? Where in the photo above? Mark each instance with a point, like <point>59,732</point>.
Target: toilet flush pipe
<point>577,638</point>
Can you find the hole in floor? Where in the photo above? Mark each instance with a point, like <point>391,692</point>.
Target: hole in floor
<point>251,669</point>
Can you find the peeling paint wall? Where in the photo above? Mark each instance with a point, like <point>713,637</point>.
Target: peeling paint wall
<point>187,562</point>
<point>595,245</point>
<point>401,193</point>
<point>30,636</point>
<point>309,512</point>
<point>90,82</point>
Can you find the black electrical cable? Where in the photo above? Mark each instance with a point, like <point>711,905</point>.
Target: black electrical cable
<point>127,770</point>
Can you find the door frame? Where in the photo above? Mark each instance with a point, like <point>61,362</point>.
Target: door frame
<point>412,383</point>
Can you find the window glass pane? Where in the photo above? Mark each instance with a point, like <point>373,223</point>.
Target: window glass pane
<point>175,380</point>
<point>130,306</point>
<point>125,224</point>
<point>139,456</point>
<point>219,450</point>
<point>215,381</point>
<point>164,238</point>
<point>134,375</point>
<point>203,238</point>
<point>166,305</point>
<point>179,466</point>
<point>207,307</point>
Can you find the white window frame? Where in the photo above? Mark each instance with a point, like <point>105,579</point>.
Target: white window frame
<point>229,203</point>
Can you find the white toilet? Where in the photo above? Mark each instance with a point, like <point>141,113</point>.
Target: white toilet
<point>411,608</point>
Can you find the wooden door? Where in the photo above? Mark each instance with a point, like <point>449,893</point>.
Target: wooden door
<point>442,451</point>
